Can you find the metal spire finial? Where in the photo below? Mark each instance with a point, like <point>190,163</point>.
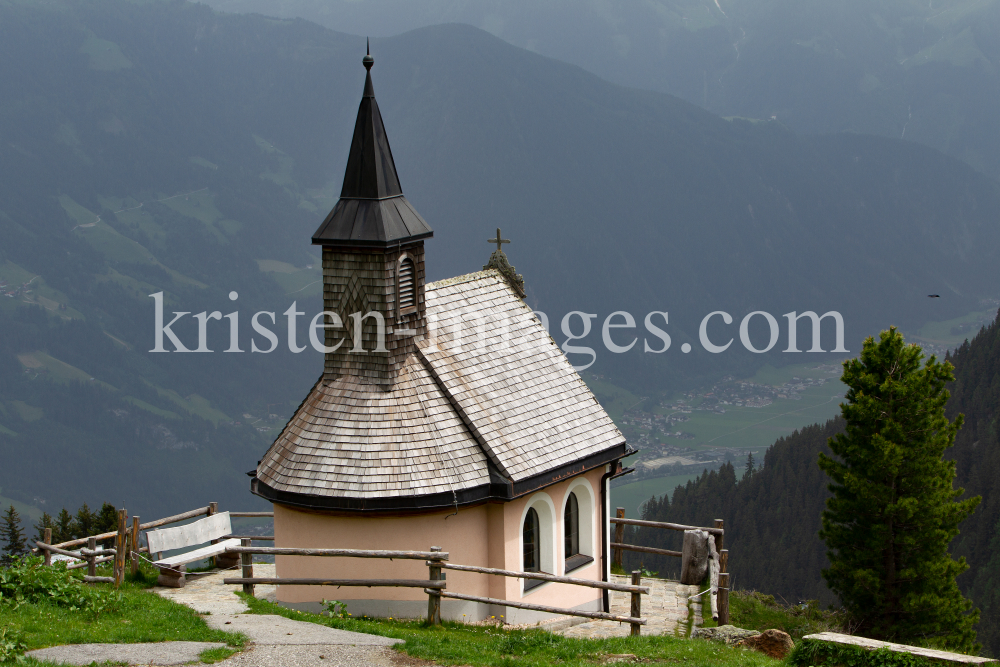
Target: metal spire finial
<point>368,61</point>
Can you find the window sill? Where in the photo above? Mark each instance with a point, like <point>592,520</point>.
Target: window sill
<point>577,561</point>
<point>531,584</point>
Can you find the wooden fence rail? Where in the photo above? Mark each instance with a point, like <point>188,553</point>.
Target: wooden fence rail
<point>589,583</point>
<point>718,571</point>
<point>432,585</point>
<point>635,622</point>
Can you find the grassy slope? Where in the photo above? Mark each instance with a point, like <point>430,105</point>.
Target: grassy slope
<point>489,646</point>
<point>140,616</point>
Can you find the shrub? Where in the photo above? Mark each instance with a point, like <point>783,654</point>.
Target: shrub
<point>27,581</point>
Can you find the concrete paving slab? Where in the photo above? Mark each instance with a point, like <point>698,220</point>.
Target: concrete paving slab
<point>160,653</point>
<point>278,630</point>
<point>314,655</point>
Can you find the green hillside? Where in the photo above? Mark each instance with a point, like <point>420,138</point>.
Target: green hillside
<point>158,146</point>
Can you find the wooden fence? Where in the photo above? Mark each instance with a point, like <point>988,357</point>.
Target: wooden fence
<point>127,548</point>
<point>719,578</point>
<point>435,586</point>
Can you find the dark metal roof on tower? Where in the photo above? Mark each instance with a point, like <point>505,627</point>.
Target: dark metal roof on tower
<point>372,210</point>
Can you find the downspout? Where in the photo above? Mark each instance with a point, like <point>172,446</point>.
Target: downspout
<point>609,471</point>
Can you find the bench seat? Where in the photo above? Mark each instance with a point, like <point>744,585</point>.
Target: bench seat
<point>209,529</point>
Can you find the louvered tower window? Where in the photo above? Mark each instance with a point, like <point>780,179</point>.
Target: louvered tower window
<point>406,286</point>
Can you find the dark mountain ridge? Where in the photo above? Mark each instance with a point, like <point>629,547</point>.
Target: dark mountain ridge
<point>162,147</point>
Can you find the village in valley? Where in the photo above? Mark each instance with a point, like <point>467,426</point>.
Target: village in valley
<point>705,427</point>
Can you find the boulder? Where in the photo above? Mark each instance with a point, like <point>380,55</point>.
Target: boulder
<point>729,635</point>
<point>772,643</point>
<point>694,557</point>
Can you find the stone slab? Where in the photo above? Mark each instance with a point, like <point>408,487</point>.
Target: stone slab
<point>159,653</point>
<point>314,655</point>
<point>872,644</point>
<point>281,631</point>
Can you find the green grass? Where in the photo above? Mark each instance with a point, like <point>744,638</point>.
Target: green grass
<point>941,332</point>
<point>755,611</point>
<point>631,496</point>
<point>491,646</point>
<point>139,616</point>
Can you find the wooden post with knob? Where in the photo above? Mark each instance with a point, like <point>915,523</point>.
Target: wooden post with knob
<point>433,595</point>
<point>723,598</point>
<point>719,537</point>
<point>48,540</point>
<point>246,560</point>
<point>213,508</point>
<point>636,611</point>
<point>619,535</point>
<point>121,540</point>
<point>92,557</point>
<point>134,545</point>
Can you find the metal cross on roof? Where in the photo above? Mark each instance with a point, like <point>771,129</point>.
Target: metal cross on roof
<point>498,240</point>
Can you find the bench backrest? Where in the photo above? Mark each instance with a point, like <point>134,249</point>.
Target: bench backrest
<point>199,532</point>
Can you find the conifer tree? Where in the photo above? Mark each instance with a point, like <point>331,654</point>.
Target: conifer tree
<point>85,520</point>
<point>12,534</point>
<point>43,523</point>
<point>748,473</point>
<point>64,530</point>
<point>894,509</point>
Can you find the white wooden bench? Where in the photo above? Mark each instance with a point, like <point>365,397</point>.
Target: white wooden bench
<point>211,528</point>
<point>872,644</point>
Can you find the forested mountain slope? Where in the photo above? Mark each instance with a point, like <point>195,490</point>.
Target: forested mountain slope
<point>149,147</point>
<point>772,516</point>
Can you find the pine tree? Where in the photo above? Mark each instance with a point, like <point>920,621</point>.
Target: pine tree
<point>84,524</point>
<point>64,531</point>
<point>748,473</point>
<point>894,509</point>
<point>43,523</point>
<point>12,534</point>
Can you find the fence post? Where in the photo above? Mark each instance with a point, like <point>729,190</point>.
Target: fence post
<point>48,540</point>
<point>247,561</point>
<point>636,611</point>
<point>434,595</point>
<point>213,508</point>
<point>719,539</point>
<point>134,545</point>
<point>120,547</point>
<point>723,598</point>
<point>92,557</point>
<point>619,535</point>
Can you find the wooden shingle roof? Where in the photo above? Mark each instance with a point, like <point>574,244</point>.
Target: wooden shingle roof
<point>486,407</point>
<point>511,383</point>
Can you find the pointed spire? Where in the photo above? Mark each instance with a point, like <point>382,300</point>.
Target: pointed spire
<point>372,209</point>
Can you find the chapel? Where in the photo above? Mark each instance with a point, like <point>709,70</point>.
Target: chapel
<point>446,415</point>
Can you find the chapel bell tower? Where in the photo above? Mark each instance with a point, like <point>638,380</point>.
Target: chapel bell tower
<point>373,259</point>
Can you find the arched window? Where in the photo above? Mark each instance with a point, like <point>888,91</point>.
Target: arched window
<point>406,286</point>
<point>532,542</point>
<point>571,525</point>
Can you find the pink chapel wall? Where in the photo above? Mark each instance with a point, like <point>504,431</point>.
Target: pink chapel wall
<point>486,535</point>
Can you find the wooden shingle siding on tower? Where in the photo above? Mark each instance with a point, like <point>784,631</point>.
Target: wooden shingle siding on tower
<point>363,281</point>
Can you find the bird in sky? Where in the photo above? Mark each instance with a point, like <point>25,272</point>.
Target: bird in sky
<point>934,296</point>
